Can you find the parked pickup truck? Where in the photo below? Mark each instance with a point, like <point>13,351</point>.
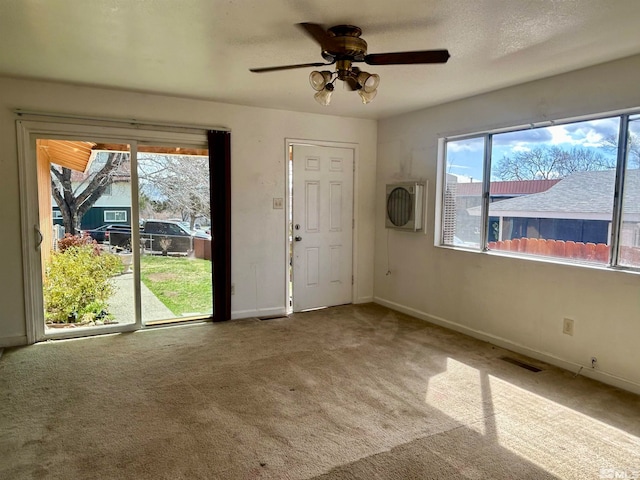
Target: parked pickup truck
<point>155,236</point>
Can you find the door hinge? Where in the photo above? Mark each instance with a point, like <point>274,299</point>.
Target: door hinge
<point>353,223</point>
<point>351,279</point>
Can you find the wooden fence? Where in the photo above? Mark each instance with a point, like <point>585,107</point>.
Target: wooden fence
<point>202,248</point>
<point>594,252</point>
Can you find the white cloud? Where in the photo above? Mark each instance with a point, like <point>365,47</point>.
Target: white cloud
<point>585,135</point>
<point>519,147</point>
<point>559,134</point>
<point>593,139</point>
<point>471,145</point>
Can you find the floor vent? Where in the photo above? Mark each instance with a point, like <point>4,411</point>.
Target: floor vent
<point>514,361</point>
<point>274,317</point>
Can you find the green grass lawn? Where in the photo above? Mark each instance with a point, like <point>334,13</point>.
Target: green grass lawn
<point>182,284</point>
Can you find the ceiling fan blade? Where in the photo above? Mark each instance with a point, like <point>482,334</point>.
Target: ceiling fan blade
<point>407,58</point>
<point>287,67</point>
<point>317,32</point>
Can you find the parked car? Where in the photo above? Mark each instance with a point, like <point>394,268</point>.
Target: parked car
<point>101,234</point>
<point>155,236</point>
<point>197,230</point>
<point>200,234</point>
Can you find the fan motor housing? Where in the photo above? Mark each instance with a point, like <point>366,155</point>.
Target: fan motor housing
<point>345,43</point>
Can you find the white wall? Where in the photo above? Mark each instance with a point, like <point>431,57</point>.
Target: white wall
<point>258,175</point>
<point>512,302</point>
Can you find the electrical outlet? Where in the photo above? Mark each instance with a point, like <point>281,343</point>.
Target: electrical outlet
<point>233,289</point>
<point>278,203</point>
<point>594,362</point>
<point>567,326</point>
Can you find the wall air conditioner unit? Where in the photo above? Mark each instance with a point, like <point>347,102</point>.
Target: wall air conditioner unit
<point>403,206</point>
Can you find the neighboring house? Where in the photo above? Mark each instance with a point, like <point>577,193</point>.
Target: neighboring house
<point>113,207</point>
<point>468,195</point>
<point>578,208</point>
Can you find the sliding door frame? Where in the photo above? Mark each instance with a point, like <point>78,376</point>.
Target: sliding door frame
<point>31,127</point>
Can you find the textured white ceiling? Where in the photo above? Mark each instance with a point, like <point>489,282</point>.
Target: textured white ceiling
<point>204,48</point>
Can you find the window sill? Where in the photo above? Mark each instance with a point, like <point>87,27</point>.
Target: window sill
<point>549,260</point>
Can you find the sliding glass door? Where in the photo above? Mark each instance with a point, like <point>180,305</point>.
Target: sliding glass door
<point>85,195</point>
<point>175,230</point>
<point>119,229</point>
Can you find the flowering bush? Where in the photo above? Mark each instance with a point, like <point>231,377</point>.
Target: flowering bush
<point>76,241</point>
<point>78,281</point>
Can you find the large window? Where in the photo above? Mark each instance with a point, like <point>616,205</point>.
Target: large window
<point>463,192</point>
<point>547,191</point>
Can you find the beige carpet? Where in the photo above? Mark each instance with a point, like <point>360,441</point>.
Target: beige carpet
<point>354,392</point>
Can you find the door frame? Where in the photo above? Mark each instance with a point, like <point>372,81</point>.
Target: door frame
<point>288,170</point>
<point>29,128</point>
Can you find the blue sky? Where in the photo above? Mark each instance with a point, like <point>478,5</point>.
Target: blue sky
<point>465,157</point>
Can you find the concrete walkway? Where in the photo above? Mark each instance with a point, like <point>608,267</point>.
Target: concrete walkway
<point>122,307</point>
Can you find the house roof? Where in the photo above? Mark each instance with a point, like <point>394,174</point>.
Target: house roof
<point>508,188</point>
<point>66,153</point>
<point>80,157</point>
<point>587,195</point>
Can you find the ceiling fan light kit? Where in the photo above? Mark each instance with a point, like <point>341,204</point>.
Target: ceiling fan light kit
<point>319,80</point>
<point>323,97</point>
<point>341,45</point>
<point>367,96</point>
<point>368,81</point>
<point>323,83</point>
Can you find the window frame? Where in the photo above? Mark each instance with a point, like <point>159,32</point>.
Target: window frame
<point>487,136</point>
<point>106,220</point>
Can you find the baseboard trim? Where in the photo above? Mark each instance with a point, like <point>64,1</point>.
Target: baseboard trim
<point>260,312</point>
<point>13,341</point>
<point>584,370</point>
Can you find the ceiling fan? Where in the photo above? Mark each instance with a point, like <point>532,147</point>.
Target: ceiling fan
<point>341,45</point>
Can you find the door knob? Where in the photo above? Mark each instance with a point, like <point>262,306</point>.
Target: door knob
<point>297,238</point>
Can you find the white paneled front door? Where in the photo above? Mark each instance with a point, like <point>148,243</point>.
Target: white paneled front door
<point>322,226</point>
